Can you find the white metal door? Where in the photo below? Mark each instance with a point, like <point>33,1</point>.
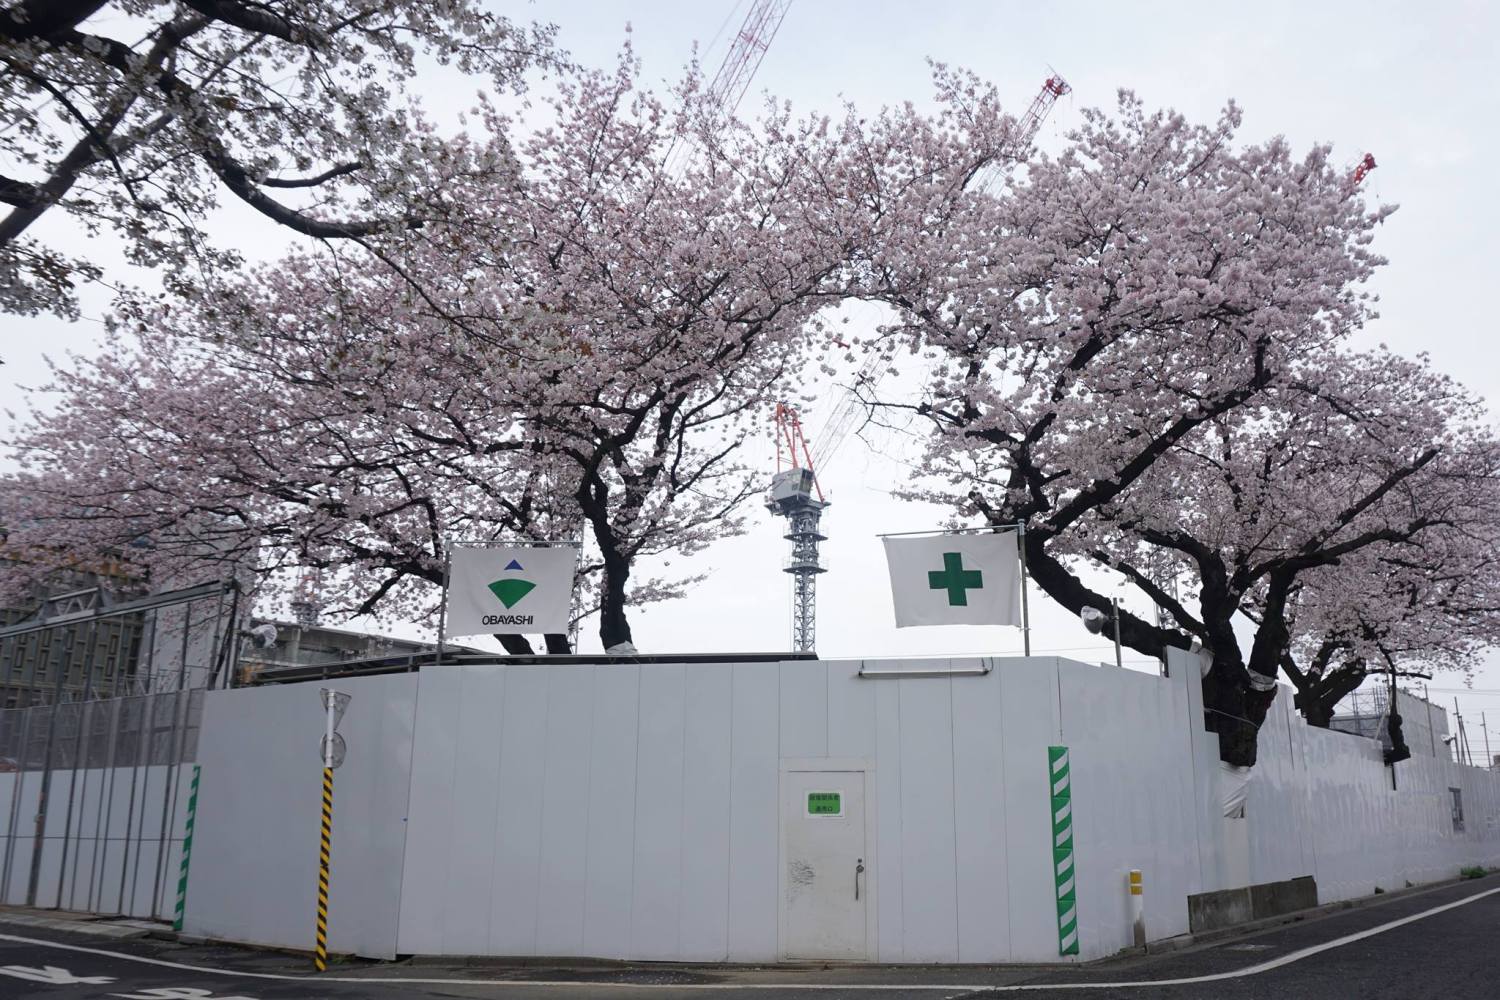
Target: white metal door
<point>825,881</point>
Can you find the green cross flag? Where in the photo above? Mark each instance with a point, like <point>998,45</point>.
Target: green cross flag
<point>955,579</point>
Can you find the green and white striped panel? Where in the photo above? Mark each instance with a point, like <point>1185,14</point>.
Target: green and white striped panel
<point>187,851</point>
<point>1062,851</point>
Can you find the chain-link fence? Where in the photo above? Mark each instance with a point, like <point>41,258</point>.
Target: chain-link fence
<point>143,730</point>
<point>100,708</point>
<point>92,809</point>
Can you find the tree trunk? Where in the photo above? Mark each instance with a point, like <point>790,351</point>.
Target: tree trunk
<point>519,645</point>
<point>1314,710</point>
<point>515,645</point>
<point>613,626</point>
<point>1234,711</point>
<point>1398,750</point>
<point>1318,696</point>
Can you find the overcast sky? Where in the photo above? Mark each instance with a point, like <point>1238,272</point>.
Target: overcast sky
<point>1414,85</point>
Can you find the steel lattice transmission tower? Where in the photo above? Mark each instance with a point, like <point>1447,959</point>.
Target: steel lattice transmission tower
<point>796,495</point>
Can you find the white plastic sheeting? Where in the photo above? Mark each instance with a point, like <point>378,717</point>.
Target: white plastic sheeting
<point>1234,788</point>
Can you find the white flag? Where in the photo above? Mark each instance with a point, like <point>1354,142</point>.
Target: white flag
<point>960,579</point>
<point>521,590</point>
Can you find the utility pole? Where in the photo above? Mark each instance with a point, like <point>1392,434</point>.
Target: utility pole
<point>1461,742</point>
<point>1489,761</point>
<point>1431,733</point>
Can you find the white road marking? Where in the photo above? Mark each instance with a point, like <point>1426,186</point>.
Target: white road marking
<point>52,974</point>
<point>178,993</point>
<point>950,988</point>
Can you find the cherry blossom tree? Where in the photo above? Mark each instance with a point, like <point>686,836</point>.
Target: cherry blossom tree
<point>577,356</point>
<point>1097,325</point>
<point>137,116</point>
<point>1327,515</point>
<point>1428,603</point>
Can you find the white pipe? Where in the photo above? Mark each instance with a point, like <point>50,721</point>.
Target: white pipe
<point>329,699</point>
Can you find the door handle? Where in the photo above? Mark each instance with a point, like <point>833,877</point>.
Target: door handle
<point>859,869</point>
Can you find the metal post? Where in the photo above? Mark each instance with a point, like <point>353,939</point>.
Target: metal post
<point>442,613</point>
<point>1119,662</point>
<point>61,663</point>
<point>1137,908</point>
<point>78,748</point>
<point>35,656</point>
<point>17,792</point>
<point>10,666</point>
<point>234,636</point>
<point>212,661</point>
<point>187,628</point>
<point>1431,732</point>
<point>174,769</point>
<point>325,844</point>
<point>86,720</point>
<point>1489,761</point>
<point>1025,610</point>
<point>1458,730</point>
<point>135,774</point>
<point>104,816</point>
<point>169,794</point>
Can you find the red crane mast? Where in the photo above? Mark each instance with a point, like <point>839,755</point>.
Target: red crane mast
<point>746,52</point>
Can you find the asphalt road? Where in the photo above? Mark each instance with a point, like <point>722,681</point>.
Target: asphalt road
<point>1443,943</point>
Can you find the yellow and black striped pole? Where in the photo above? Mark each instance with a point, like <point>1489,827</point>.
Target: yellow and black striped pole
<point>334,703</point>
<point>320,953</point>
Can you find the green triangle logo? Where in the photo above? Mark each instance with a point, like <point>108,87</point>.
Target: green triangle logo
<point>511,591</point>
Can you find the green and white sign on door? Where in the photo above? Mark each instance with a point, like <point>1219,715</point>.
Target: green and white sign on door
<point>825,804</point>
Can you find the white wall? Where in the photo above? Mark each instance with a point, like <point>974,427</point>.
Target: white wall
<point>108,855</point>
<point>631,811</point>
<point>255,841</point>
<point>1321,803</point>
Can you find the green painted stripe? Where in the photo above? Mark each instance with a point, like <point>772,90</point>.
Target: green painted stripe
<point>1059,776</point>
<point>187,850</point>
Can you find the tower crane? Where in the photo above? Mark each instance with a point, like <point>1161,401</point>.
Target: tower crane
<point>795,491</point>
<point>746,52</point>
<point>792,496</point>
<point>1027,127</point>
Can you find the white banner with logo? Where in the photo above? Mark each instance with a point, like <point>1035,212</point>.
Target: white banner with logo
<point>510,590</point>
<point>958,579</point>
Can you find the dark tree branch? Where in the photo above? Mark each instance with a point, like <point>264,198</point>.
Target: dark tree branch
<point>260,22</point>
<point>301,182</point>
<point>19,193</point>
<point>44,18</point>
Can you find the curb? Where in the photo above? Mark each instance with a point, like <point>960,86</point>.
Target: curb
<point>1182,942</point>
<point>120,930</point>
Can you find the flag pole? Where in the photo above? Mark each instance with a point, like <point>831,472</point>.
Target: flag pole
<point>1025,610</point>
<point>951,531</point>
<point>443,603</point>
